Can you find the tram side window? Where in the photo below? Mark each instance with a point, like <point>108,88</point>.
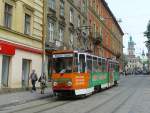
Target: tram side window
<point>110,65</point>
<point>89,63</point>
<point>82,63</point>
<point>103,65</point>
<point>95,66</point>
<point>99,65</point>
<point>117,67</point>
<point>75,67</point>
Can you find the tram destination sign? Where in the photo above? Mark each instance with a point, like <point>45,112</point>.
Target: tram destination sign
<point>62,55</point>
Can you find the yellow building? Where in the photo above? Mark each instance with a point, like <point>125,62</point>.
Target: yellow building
<point>20,41</point>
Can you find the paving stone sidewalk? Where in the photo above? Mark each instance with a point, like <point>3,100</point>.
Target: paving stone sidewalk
<point>23,97</point>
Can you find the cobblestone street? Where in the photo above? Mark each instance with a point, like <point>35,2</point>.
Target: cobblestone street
<point>130,96</point>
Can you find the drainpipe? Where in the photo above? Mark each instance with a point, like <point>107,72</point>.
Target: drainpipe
<point>44,36</point>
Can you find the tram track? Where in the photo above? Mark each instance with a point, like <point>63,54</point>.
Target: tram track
<point>54,103</point>
<point>121,92</point>
<point>126,95</point>
<point>47,106</point>
<point>41,106</point>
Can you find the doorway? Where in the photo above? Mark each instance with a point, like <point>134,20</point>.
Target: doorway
<point>5,70</point>
<point>25,73</point>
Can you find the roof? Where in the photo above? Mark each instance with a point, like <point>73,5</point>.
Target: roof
<point>113,17</point>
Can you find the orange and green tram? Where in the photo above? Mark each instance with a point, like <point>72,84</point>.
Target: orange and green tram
<point>79,73</point>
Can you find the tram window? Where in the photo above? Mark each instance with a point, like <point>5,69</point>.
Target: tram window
<point>89,63</point>
<point>62,65</point>
<point>117,67</point>
<point>95,66</point>
<point>113,65</point>
<point>110,65</point>
<point>82,64</point>
<point>103,65</point>
<point>99,64</point>
<point>75,66</point>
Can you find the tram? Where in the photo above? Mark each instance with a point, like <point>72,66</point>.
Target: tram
<point>80,73</point>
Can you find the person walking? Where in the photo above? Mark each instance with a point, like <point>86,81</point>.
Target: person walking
<point>33,78</point>
<point>42,81</point>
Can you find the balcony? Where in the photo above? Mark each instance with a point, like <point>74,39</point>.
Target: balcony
<point>71,27</point>
<point>97,38</point>
<point>62,21</point>
<point>52,14</point>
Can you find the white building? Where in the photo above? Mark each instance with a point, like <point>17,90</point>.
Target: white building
<point>134,63</point>
<point>20,41</point>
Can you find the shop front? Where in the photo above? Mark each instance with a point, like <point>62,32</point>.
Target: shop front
<point>6,52</point>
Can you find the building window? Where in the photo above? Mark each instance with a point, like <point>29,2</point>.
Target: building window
<point>51,32</point>
<point>78,21</point>
<point>83,7</point>
<point>84,22</point>
<point>51,4</point>
<point>27,27</point>
<point>71,39</point>
<point>71,15</point>
<point>97,10</point>
<point>62,7</point>
<point>8,15</point>
<point>61,34</point>
<point>94,26</point>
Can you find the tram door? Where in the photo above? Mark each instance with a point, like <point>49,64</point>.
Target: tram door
<point>111,72</point>
<point>82,64</point>
<point>25,73</point>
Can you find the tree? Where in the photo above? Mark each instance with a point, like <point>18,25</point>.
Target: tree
<point>147,34</point>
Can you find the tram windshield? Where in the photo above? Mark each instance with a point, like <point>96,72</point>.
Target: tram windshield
<point>62,63</point>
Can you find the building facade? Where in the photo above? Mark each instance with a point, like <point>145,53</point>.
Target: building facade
<point>20,41</point>
<point>66,26</point>
<point>84,25</point>
<point>105,33</point>
<point>28,28</point>
<point>65,20</point>
<point>133,63</point>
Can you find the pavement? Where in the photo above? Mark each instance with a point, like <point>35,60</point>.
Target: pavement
<point>130,96</point>
<point>16,98</point>
<point>23,97</point>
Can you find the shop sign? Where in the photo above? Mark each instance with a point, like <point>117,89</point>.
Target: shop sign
<point>7,49</point>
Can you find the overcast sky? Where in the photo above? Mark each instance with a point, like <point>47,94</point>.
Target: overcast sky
<point>135,15</point>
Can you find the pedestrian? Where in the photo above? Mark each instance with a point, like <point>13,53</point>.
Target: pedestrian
<point>33,78</point>
<point>42,81</point>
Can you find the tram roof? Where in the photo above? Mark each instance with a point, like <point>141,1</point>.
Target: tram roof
<point>64,51</point>
<point>74,51</point>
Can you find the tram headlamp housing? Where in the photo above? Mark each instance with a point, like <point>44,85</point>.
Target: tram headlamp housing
<point>55,83</point>
<point>69,83</point>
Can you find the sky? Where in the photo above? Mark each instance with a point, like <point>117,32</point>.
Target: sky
<point>135,15</point>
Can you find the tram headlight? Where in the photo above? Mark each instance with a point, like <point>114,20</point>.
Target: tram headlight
<point>69,83</point>
<point>55,83</point>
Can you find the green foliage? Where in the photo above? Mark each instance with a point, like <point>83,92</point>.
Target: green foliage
<point>147,34</point>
